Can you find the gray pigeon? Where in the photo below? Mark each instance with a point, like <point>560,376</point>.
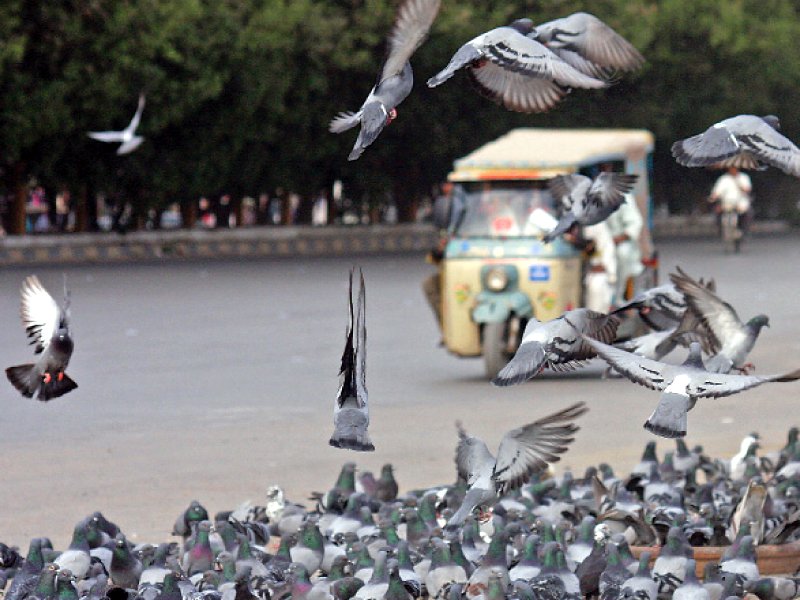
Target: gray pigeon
<point>395,81</point>
<point>351,412</point>
<point>587,201</point>
<point>744,141</point>
<point>47,326</point>
<point>589,45</point>
<point>130,141</point>
<point>681,386</point>
<point>721,323</point>
<point>514,70</point>
<point>660,307</point>
<point>523,452</point>
<point>554,344</point>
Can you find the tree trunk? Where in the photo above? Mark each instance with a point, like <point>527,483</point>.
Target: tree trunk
<point>82,209</point>
<point>19,196</point>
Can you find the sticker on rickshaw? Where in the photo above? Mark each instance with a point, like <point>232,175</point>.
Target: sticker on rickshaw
<point>462,292</point>
<point>539,273</point>
<point>547,300</point>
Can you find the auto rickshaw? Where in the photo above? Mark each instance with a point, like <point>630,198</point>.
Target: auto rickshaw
<point>496,273</point>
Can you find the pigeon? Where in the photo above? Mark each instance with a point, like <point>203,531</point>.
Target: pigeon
<point>680,386</point>
<point>743,141</point>
<point>589,45</point>
<point>395,81</point>
<point>554,344</point>
<point>130,141</point>
<point>588,201</point>
<point>523,451</point>
<point>660,307</point>
<point>76,558</point>
<point>126,569</point>
<point>47,326</point>
<point>27,575</point>
<point>351,412</point>
<point>691,588</point>
<point>733,338</point>
<point>443,570</point>
<point>386,487</point>
<point>513,69</point>
<point>774,588</point>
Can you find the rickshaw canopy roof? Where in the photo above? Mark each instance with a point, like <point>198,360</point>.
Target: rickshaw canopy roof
<point>535,153</point>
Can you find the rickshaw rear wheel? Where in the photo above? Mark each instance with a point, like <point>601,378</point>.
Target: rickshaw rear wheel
<point>494,348</point>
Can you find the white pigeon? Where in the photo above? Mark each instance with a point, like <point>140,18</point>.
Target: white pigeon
<point>128,138</point>
<point>523,451</point>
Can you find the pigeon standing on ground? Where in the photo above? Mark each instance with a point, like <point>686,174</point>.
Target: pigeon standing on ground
<point>395,81</point>
<point>743,141</point>
<point>513,69</point>
<point>47,326</point>
<point>554,344</point>
<point>681,386</point>
<point>588,201</point>
<point>351,412</point>
<point>523,452</point>
<point>723,326</point>
<point>128,138</point>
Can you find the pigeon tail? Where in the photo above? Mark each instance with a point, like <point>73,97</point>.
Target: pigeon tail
<point>57,386</point>
<point>359,442</point>
<point>670,418</point>
<point>564,224</point>
<point>344,121</point>
<point>23,378</point>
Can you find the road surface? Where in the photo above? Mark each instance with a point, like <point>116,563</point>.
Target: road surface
<point>212,381</point>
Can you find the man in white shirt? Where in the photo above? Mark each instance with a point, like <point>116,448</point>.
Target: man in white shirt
<point>732,191</point>
<point>625,225</point>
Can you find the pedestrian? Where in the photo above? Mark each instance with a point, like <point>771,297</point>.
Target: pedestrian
<point>732,193</point>
<point>224,211</point>
<point>63,210</point>
<point>207,219</point>
<point>319,209</point>
<point>601,268</point>
<point>625,225</point>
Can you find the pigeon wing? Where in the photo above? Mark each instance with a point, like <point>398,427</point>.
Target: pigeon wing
<point>361,343</point>
<point>568,186</point>
<point>526,363</point>
<point>137,116</point>
<point>414,20</point>
<point>40,313</point>
<point>599,43</point>
<point>595,325</point>
<point>106,136</point>
<point>528,449</point>
<point>515,91</point>
<point>583,65</point>
<point>771,147</point>
<point>717,316</point>
<point>348,387</point>
<point>131,145</point>
<point>609,189</point>
<point>646,372</point>
<point>714,145</point>
<point>717,385</point>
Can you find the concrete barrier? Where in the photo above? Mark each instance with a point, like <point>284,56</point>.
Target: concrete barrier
<point>273,241</point>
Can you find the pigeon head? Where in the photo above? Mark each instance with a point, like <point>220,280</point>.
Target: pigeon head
<point>773,122</point>
<point>758,322</point>
<point>524,26</point>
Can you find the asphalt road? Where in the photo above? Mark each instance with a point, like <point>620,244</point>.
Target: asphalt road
<point>212,381</point>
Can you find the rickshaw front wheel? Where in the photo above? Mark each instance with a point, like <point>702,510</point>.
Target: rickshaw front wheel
<point>494,347</point>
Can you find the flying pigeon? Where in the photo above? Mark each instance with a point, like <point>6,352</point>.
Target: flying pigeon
<point>395,81</point>
<point>351,412</point>
<point>47,326</point>
<point>513,69</point>
<point>523,452</point>
<point>587,201</point>
<point>744,141</point>
<point>130,141</point>
<point>660,307</point>
<point>681,386</point>
<point>554,344</point>
<point>734,339</point>
<point>589,45</point>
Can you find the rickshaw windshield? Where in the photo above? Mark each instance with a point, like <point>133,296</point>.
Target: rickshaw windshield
<point>504,210</point>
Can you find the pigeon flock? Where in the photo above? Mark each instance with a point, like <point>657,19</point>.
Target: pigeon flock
<point>507,528</point>
<point>547,539</point>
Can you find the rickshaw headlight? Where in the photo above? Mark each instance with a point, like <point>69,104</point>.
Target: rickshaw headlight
<point>497,279</point>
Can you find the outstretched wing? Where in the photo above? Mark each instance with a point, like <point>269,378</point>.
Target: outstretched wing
<point>717,385</point>
<point>515,91</point>
<point>414,20</point>
<point>528,449</point>
<point>563,186</point>
<point>646,372</point>
<point>348,386</point>
<point>40,313</point>
<point>106,136</point>
<point>717,316</point>
<point>137,117</point>
<point>609,189</point>
<point>597,326</point>
<point>770,146</point>
<point>361,342</point>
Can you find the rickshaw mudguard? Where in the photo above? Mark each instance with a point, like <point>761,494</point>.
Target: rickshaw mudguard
<point>495,307</point>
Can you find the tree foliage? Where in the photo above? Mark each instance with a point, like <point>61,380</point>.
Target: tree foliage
<point>239,92</point>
